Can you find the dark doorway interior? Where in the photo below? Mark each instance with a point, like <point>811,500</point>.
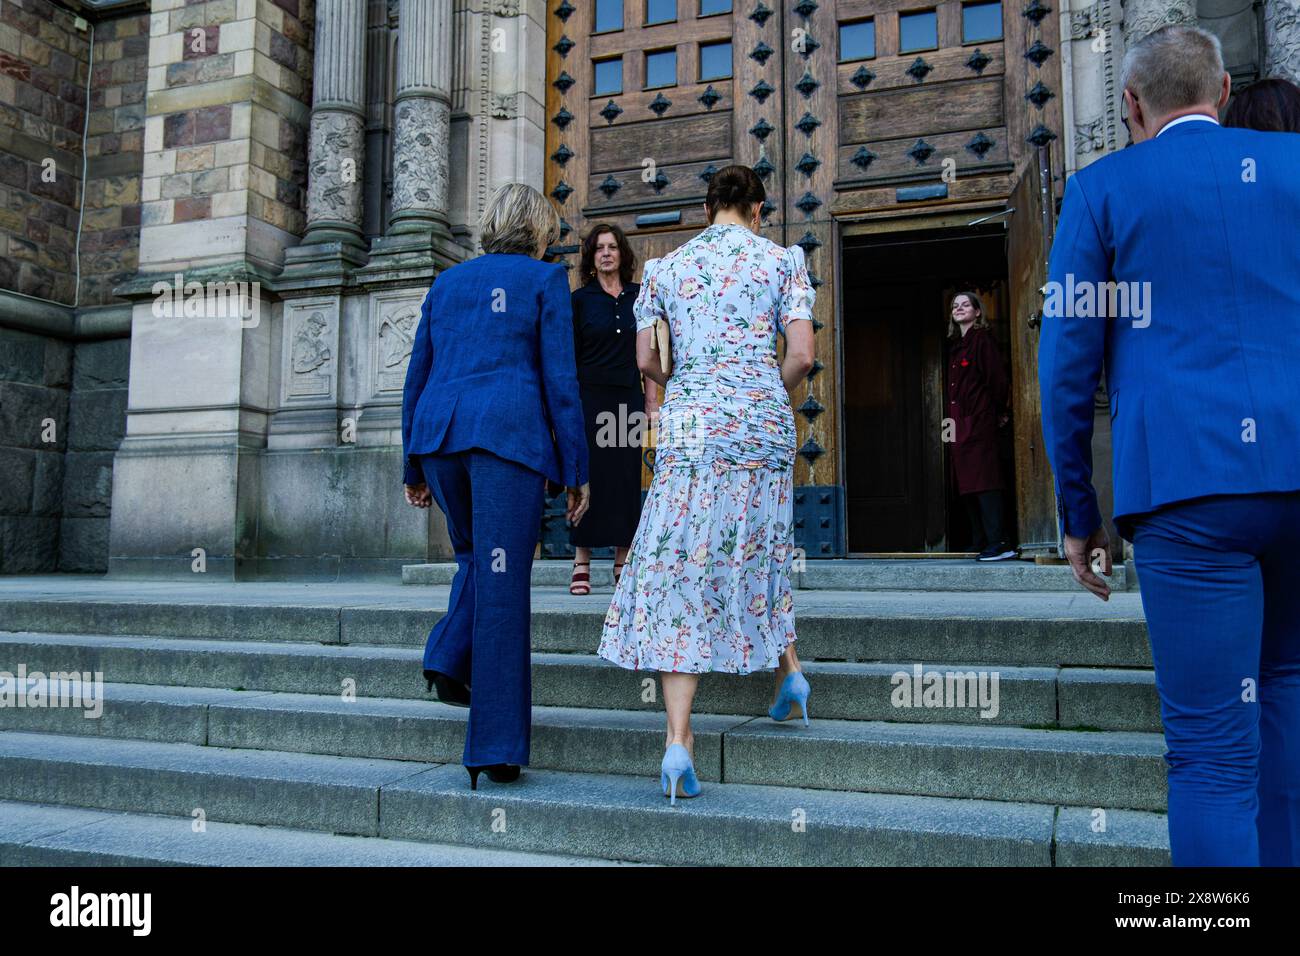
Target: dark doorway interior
<point>896,292</point>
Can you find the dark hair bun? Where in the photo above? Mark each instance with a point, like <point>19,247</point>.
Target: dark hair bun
<point>734,187</point>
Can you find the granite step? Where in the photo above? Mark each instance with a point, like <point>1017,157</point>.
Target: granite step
<point>35,834</point>
<point>747,825</point>
<point>1115,769</point>
<point>554,812</point>
<point>846,574</point>
<point>1005,629</point>
<point>294,717</point>
<point>1096,698</point>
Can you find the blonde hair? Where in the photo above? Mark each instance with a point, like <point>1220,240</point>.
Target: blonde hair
<point>980,323</point>
<point>518,219</point>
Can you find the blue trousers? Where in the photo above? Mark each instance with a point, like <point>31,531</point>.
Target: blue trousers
<point>1221,590</point>
<point>494,514</point>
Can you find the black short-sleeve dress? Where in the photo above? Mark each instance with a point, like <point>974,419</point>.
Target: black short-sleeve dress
<point>604,340</point>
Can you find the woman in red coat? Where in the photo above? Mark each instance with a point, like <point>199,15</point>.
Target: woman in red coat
<point>977,406</point>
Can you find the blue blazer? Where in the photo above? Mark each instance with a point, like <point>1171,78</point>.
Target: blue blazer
<point>492,367</point>
<point>1203,378</point>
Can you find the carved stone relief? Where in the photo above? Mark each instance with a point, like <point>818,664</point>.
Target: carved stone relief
<point>1145,16</point>
<point>1090,136</point>
<point>310,348</point>
<point>505,105</point>
<point>336,154</point>
<point>394,318</point>
<point>1082,22</point>
<point>420,154</point>
<point>1282,35</point>
<point>1098,46</point>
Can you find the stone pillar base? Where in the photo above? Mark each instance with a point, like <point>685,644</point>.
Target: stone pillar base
<point>398,256</point>
<point>184,509</point>
<point>319,264</point>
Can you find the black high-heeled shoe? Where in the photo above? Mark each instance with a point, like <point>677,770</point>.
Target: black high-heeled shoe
<point>497,773</point>
<point>450,690</point>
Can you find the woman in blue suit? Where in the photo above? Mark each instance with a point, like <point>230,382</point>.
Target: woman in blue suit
<point>489,411</point>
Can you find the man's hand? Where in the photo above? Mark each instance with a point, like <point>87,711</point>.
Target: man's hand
<point>1081,552</point>
<point>579,498</point>
<point>418,496</point>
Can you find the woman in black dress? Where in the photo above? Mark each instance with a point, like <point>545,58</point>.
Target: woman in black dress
<point>604,340</point>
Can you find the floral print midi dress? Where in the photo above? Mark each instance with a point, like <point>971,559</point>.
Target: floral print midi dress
<point>707,583</point>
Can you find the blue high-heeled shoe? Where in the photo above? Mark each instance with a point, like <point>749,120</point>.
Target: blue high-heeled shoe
<point>794,690</point>
<point>677,766</point>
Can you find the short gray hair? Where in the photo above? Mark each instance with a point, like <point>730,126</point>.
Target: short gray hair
<point>1173,68</point>
<point>518,219</point>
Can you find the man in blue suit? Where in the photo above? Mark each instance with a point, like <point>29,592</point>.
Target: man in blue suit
<point>1178,262</point>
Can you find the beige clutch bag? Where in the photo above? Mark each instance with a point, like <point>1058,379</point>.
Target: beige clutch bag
<point>661,341</point>
<point>663,344</point>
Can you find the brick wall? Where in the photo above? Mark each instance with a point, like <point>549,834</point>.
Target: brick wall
<point>35,377</point>
<point>110,235</point>
<point>63,403</point>
<point>217,172</point>
<point>225,169</point>
<point>43,66</point>
<point>96,423</point>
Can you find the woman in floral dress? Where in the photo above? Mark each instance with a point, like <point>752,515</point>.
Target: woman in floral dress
<point>707,584</point>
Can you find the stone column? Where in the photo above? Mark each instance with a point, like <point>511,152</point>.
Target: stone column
<point>336,153</point>
<point>422,119</point>
<point>381,26</point>
<point>1145,16</point>
<point>515,118</point>
<point>1091,98</point>
<point>1282,39</point>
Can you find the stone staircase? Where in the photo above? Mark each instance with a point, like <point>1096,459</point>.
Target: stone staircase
<point>926,574</point>
<point>292,719</point>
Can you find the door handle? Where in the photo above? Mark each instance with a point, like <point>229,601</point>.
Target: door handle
<point>1036,317</point>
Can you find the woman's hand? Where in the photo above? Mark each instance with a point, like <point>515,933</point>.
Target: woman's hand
<point>418,496</point>
<point>579,498</point>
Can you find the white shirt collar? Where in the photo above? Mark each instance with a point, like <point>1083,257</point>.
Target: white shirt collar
<point>1190,117</point>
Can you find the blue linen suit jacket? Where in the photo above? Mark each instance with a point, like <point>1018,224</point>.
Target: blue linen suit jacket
<point>1203,382</point>
<point>492,367</point>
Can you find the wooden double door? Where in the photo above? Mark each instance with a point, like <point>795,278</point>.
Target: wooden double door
<point>646,100</point>
<point>849,110</point>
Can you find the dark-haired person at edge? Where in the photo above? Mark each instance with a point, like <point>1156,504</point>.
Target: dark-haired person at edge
<point>609,382</point>
<point>977,407</point>
<point>1270,106</point>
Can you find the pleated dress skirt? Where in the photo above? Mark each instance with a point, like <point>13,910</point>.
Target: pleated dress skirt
<point>707,583</point>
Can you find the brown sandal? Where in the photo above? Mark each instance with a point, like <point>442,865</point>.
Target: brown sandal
<point>580,583</point>
<point>618,571</point>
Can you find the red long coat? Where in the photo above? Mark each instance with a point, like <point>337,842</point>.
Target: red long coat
<point>976,392</point>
